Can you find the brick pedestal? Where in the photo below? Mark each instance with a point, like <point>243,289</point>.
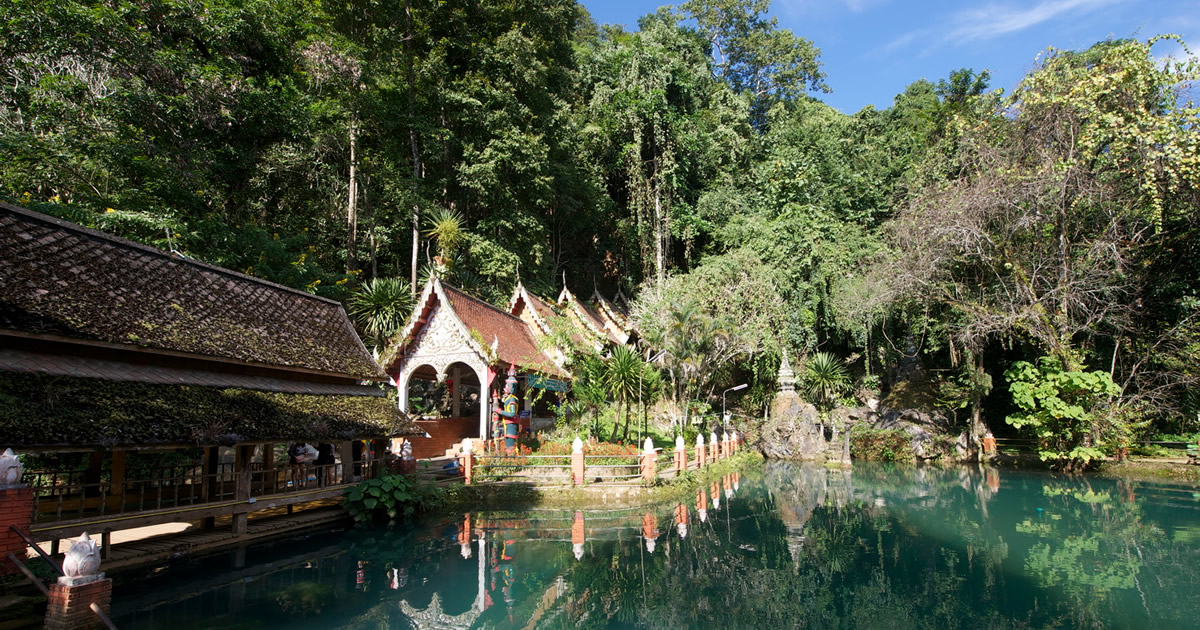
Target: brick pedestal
<point>70,602</point>
<point>16,508</point>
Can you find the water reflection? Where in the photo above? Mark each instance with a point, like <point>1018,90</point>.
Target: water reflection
<point>792,545</point>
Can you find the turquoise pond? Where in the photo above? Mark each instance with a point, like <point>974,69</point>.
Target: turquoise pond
<point>784,546</point>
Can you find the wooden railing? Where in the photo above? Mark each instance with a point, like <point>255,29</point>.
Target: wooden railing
<point>60,496</point>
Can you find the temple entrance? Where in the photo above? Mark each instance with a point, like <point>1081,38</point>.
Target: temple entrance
<point>449,406</point>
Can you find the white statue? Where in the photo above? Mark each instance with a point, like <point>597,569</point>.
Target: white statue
<point>10,468</point>
<point>83,558</point>
<point>406,450</point>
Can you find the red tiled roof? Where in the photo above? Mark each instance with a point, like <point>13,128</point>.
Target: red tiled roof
<point>540,306</point>
<point>594,319</point>
<point>515,340</point>
<point>61,279</point>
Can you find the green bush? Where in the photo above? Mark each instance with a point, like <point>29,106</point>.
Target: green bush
<point>391,496</point>
<point>883,445</point>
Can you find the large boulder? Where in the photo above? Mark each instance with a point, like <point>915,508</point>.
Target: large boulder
<point>791,431</point>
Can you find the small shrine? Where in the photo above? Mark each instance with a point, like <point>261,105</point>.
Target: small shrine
<point>450,360</point>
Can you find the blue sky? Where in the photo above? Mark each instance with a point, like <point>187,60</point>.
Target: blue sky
<point>872,49</point>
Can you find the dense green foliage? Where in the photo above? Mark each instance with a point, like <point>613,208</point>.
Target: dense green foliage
<point>880,445</point>
<point>327,146</point>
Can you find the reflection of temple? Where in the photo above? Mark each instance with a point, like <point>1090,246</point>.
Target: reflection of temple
<point>434,617</point>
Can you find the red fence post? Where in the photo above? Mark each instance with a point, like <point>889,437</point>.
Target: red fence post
<point>468,460</point>
<point>680,455</point>
<point>700,459</point>
<point>649,462</point>
<point>577,461</point>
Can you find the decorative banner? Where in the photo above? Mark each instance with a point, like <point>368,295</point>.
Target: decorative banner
<point>550,384</point>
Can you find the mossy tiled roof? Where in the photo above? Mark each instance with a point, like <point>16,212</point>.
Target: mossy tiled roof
<point>43,410</point>
<point>61,279</point>
<point>514,339</point>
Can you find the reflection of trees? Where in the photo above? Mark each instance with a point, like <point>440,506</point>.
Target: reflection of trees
<point>803,546</point>
<point>917,547</point>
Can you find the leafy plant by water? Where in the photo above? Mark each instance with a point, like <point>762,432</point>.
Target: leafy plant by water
<point>390,497</point>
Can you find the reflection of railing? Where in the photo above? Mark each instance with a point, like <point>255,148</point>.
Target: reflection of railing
<point>67,496</point>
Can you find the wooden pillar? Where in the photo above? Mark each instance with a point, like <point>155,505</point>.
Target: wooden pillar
<point>456,405</point>
<point>116,494</point>
<point>378,457</point>
<point>241,467</point>
<point>270,475</point>
<point>91,478</point>
<point>208,482</point>
<point>346,453</point>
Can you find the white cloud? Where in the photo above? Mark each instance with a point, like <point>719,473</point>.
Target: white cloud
<point>994,19</point>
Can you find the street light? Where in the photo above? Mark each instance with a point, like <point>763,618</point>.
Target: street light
<point>725,416</point>
<point>642,402</point>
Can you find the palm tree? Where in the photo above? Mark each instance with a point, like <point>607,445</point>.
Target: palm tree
<point>380,308</point>
<point>622,372</point>
<point>825,379</point>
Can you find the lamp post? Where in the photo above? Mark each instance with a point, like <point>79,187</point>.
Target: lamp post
<point>641,401</point>
<point>725,416</point>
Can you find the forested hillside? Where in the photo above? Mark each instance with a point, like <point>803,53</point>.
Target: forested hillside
<point>1050,229</point>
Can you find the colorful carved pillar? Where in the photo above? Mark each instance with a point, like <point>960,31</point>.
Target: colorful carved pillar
<point>509,410</point>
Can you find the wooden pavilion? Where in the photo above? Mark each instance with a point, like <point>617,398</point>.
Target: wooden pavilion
<point>143,387</point>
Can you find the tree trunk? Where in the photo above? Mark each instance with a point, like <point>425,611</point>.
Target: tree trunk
<point>978,428</point>
<point>352,202</point>
<point>416,153</point>
<point>659,239</point>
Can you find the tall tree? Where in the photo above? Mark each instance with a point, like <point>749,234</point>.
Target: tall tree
<point>754,55</point>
